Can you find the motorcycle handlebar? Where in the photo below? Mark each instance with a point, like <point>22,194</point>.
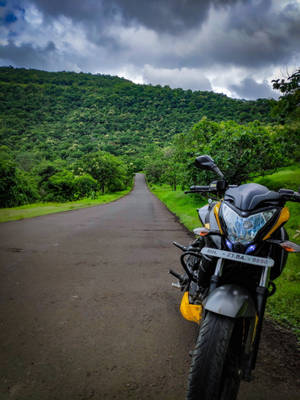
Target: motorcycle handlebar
<point>195,187</point>
<point>297,197</point>
<point>289,195</point>
<point>200,189</point>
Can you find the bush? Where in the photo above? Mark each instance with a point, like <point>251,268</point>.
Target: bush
<point>16,186</point>
<point>85,186</point>
<point>60,186</point>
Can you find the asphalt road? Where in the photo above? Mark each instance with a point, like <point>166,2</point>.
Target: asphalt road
<point>87,310</point>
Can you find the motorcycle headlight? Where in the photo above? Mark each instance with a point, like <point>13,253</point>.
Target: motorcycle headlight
<point>244,230</point>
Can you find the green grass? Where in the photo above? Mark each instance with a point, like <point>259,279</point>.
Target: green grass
<point>37,209</point>
<point>284,306</point>
<point>288,178</point>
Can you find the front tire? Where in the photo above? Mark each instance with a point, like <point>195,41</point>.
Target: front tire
<point>214,372</point>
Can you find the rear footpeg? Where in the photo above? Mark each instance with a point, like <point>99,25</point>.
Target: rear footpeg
<point>182,280</point>
<point>180,246</point>
<point>178,276</point>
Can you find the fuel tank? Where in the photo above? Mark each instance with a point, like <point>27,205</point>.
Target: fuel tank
<point>249,196</point>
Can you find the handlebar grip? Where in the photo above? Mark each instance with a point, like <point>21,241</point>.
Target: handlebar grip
<point>193,191</point>
<point>289,195</point>
<point>286,192</point>
<point>297,196</point>
<point>204,188</point>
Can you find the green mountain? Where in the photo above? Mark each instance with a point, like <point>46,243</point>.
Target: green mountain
<point>66,115</point>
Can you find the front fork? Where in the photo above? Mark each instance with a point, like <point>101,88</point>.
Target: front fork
<point>215,278</point>
<point>262,294</point>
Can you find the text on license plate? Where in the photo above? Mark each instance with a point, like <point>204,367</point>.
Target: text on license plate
<point>243,258</point>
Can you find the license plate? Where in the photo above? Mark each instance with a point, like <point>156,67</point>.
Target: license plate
<point>243,258</point>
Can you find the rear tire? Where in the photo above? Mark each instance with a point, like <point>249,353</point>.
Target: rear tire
<point>214,372</point>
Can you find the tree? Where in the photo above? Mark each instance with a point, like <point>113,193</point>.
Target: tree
<point>154,165</point>
<point>288,106</point>
<point>172,168</point>
<point>288,86</point>
<point>109,171</point>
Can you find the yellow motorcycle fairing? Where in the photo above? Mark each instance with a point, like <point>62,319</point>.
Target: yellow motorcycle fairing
<point>283,217</point>
<point>191,312</point>
<point>216,212</point>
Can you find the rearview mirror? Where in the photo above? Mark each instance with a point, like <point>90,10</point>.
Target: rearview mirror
<point>206,162</point>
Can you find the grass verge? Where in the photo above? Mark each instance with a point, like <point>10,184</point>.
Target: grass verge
<point>284,306</point>
<point>288,178</point>
<point>38,209</point>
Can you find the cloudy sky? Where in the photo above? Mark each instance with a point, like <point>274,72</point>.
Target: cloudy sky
<point>232,46</point>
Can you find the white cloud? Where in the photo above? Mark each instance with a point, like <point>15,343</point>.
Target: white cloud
<point>185,78</point>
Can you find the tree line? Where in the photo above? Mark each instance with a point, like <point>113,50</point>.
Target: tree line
<point>64,115</point>
<point>96,173</point>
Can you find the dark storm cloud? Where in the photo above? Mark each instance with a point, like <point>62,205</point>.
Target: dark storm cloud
<point>263,35</point>
<point>253,33</point>
<point>251,90</point>
<point>77,10</point>
<point>183,43</point>
<point>169,15</point>
<point>27,55</point>
<point>160,15</point>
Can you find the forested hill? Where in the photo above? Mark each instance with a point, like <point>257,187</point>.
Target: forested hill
<point>66,115</point>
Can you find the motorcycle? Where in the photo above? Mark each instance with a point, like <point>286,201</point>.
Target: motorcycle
<point>228,276</point>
